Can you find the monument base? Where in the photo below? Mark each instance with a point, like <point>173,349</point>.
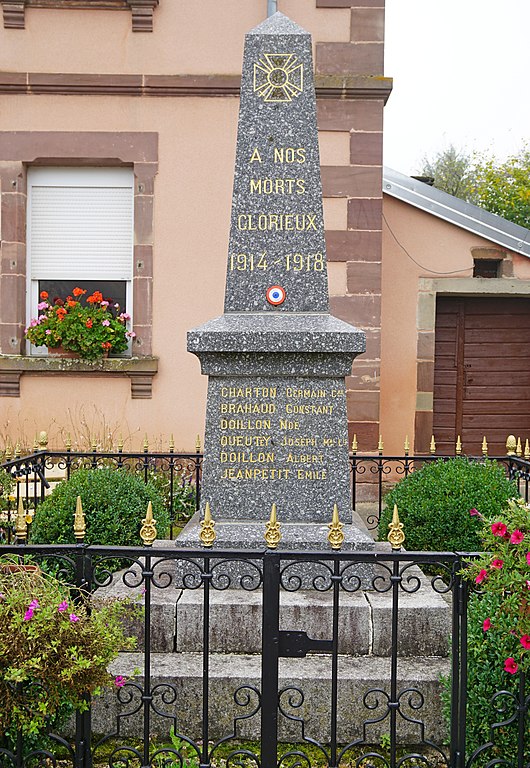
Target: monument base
<point>296,537</point>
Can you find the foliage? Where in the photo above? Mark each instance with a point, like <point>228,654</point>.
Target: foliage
<point>498,631</point>
<point>503,188</point>
<point>434,503</point>
<point>114,502</point>
<point>450,170</point>
<point>54,650</point>
<point>7,484</point>
<point>503,572</point>
<point>499,187</point>
<point>91,329</point>
<point>180,498</point>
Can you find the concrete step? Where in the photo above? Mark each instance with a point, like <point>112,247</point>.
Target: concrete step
<point>424,624</point>
<point>234,680</point>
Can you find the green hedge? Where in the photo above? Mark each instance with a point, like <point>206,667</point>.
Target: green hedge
<point>434,503</point>
<point>114,502</point>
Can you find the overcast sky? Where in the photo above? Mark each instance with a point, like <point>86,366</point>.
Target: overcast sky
<point>461,76</point>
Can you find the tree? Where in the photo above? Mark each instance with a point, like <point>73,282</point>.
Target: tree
<point>503,188</point>
<point>499,187</point>
<point>450,170</point>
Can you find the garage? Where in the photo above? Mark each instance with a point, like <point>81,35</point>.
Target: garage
<point>481,372</point>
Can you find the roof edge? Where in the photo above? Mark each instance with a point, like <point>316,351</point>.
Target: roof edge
<point>455,211</point>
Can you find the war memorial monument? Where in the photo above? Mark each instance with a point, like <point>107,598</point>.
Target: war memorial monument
<point>276,360</point>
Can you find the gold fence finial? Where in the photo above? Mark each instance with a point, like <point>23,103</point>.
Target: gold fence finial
<point>94,445</point>
<point>171,443</point>
<point>432,447</point>
<point>484,446</point>
<point>21,526</point>
<point>43,440</point>
<point>120,444</point>
<point>272,530</point>
<point>518,450</point>
<point>335,535</point>
<point>396,537</point>
<point>354,445</point>
<point>380,446</point>
<point>79,522</point>
<point>68,442</point>
<point>148,529</point>
<point>458,448</point>
<point>146,444</point>
<point>36,443</point>
<point>18,451</point>
<point>511,445</point>
<point>198,444</point>
<point>406,447</point>
<point>527,449</point>
<point>7,453</point>
<point>207,534</point>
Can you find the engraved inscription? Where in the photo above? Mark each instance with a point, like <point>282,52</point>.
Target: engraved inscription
<point>287,446</point>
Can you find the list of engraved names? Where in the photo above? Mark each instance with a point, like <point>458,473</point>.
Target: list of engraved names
<point>275,432</point>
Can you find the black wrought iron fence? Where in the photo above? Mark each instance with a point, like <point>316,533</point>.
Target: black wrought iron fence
<point>178,476</point>
<point>273,658</point>
<point>371,476</point>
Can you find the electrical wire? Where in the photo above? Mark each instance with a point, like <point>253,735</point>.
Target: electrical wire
<point>421,266</point>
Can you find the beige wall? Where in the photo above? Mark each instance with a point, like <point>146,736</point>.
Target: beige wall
<point>189,37</point>
<point>196,149</point>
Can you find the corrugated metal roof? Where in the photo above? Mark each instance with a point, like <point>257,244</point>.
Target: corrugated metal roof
<point>456,211</point>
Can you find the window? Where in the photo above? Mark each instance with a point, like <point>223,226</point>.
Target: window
<point>80,229</point>
<point>487,267</point>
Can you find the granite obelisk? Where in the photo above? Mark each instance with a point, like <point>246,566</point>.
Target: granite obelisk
<point>276,425</point>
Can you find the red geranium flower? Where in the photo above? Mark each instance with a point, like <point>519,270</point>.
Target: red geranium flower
<point>482,575</point>
<point>89,323</point>
<point>497,563</point>
<point>516,537</point>
<point>44,295</point>
<point>78,292</point>
<point>96,297</point>
<point>525,641</point>
<point>486,624</point>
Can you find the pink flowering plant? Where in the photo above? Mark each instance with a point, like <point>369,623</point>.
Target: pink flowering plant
<point>502,577</point>
<point>54,650</point>
<point>90,326</point>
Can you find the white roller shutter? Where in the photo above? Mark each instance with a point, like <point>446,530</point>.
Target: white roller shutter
<point>80,223</point>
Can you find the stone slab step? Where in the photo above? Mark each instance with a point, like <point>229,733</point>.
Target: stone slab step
<point>363,693</point>
<point>424,624</point>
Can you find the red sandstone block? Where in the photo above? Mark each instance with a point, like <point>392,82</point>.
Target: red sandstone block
<point>365,213</point>
<point>366,148</point>
<point>349,58</point>
<point>367,25</point>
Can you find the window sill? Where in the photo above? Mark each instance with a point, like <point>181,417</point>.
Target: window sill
<point>142,10</point>
<point>140,371</point>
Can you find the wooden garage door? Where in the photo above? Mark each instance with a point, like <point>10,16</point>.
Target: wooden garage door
<point>481,372</point>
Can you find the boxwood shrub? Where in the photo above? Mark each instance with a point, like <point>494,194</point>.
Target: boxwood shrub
<point>434,503</point>
<point>114,502</point>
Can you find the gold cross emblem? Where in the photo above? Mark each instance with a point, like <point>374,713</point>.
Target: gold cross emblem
<point>278,77</point>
